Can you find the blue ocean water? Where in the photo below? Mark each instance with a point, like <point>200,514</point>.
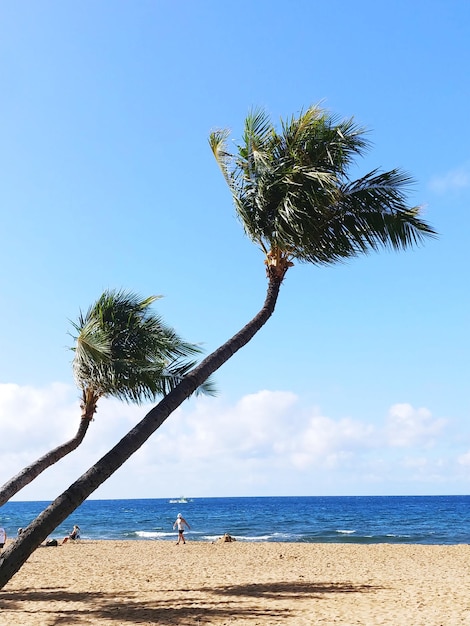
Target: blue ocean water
<point>355,519</point>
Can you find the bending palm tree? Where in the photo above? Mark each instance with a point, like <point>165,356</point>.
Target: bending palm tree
<point>124,351</point>
<point>295,200</point>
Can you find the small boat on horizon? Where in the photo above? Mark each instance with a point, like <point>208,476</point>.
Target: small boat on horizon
<point>180,501</point>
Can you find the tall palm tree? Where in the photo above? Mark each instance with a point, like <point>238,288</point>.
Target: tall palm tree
<point>295,200</point>
<point>122,350</point>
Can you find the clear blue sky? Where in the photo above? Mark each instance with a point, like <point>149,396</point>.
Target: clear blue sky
<point>359,383</point>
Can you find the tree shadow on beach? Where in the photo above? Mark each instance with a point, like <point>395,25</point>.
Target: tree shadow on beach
<point>290,589</point>
<point>186,607</point>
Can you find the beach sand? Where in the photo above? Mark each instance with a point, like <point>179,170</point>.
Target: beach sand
<point>109,583</point>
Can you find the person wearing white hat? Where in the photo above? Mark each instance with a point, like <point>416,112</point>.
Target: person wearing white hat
<point>180,522</point>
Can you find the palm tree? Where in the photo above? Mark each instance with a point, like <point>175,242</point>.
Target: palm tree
<point>121,350</point>
<point>295,200</point>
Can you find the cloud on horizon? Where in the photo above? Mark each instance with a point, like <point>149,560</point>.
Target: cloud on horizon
<point>267,443</point>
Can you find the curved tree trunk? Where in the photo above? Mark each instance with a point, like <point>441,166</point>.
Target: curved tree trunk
<point>17,553</point>
<point>29,473</point>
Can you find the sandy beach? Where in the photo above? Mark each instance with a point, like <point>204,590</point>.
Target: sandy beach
<point>249,584</point>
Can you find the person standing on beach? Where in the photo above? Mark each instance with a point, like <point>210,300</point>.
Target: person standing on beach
<point>3,537</point>
<point>180,522</point>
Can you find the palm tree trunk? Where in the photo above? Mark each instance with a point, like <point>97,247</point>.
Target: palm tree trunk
<point>29,473</point>
<point>17,553</point>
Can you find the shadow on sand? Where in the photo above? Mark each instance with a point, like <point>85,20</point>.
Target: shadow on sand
<point>187,607</point>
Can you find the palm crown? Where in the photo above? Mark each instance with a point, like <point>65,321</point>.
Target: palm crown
<point>293,195</point>
<point>124,350</point>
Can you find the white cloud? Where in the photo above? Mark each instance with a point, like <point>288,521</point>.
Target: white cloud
<point>328,443</point>
<point>464,459</point>
<point>454,180</point>
<point>210,429</point>
<point>35,420</point>
<point>425,469</point>
<point>266,443</point>
<point>32,417</point>
<point>407,426</point>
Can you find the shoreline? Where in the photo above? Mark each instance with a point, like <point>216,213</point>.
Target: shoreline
<point>337,519</point>
<point>108,582</point>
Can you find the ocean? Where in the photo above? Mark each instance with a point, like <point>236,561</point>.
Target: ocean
<point>354,519</point>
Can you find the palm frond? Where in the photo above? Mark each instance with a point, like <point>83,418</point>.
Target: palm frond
<point>124,350</point>
<point>176,371</point>
<point>93,342</point>
<point>292,192</point>
<point>218,144</point>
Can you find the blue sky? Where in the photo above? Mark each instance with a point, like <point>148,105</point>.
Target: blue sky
<point>359,382</point>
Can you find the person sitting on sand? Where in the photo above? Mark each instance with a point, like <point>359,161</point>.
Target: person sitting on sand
<point>180,522</point>
<point>75,534</point>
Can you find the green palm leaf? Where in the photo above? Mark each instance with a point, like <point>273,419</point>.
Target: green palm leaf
<point>292,192</point>
<point>124,350</point>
